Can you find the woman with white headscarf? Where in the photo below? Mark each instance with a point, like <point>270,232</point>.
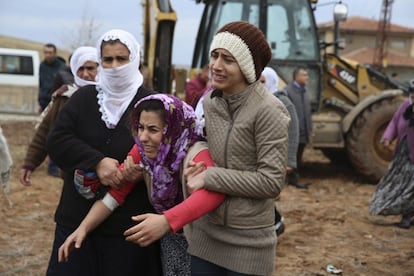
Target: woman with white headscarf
<point>270,79</point>
<point>92,134</point>
<point>84,67</point>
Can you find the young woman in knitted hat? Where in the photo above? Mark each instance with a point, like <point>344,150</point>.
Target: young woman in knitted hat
<point>247,131</point>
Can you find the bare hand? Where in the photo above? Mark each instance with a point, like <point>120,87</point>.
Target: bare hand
<point>195,173</point>
<point>151,228</point>
<point>73,241</point>
<point>132,172</point>
<point>386,143</point>
<point>108,173</point>
<point>289,170</point>
<point>195,182</point>
<point>194,168</point>
<point>25,177</point>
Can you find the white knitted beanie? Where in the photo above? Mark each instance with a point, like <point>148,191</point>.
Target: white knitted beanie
<point>248,46</point>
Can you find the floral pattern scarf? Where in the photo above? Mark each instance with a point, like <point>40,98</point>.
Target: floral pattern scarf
<point>179,134</point>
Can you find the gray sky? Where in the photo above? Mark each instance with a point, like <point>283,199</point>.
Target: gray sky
<point>52,20</point>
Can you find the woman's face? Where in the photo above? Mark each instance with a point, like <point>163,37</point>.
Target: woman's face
<point>114,55</point>
<point>150,130</point>
<point>88,71</point>
<point>225,72</point>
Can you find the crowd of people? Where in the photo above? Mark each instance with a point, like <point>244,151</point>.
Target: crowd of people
<point>157,185</point>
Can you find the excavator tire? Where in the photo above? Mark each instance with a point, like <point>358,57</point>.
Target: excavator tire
<point>366,154</point>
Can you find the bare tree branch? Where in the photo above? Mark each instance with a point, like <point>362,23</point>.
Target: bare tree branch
<point>83,33</point>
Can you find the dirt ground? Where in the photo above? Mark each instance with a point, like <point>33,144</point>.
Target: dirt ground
<point>327,224</point>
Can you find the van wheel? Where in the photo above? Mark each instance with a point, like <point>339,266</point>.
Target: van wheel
<point>366,154</point>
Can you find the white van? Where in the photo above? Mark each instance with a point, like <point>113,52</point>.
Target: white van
<point>19,81</point>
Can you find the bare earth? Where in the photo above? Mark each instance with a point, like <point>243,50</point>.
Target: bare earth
<point>327,224</point>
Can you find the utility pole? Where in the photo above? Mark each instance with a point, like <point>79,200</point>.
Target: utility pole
<point>384,24</point>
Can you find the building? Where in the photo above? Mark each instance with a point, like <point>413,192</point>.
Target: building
<point>360,35</point>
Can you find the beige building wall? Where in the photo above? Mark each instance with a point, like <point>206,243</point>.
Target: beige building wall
<point>355,41</point>
<point>412,47</point>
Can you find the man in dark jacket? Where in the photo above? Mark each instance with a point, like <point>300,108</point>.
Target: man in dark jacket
<point>299,96</point>
<point>48,69</point>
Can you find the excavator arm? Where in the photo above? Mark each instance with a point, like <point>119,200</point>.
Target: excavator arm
<point>158,31</point>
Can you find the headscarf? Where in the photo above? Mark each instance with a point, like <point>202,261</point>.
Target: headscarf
<point>272,79</point>
<point>79,57</point>
<point>179,134</point>
<point>118,86</point>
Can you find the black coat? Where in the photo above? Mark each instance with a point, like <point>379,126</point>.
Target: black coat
<point>79,140</point>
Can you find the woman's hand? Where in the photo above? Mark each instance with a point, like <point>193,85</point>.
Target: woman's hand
<point>73,241</point>
<point>386,143</point>
<point>151,228</point>
<point>132,172</point>
<point>195,173</point>
<point>108,173</point>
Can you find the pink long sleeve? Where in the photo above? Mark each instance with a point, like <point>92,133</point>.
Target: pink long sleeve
<point>197,204</point>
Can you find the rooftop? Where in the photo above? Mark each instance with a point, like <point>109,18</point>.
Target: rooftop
<point>364,24</point>
<point>366,56</point>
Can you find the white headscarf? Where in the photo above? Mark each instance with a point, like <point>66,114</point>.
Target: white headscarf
<point>272,79</point>
<point>118,86</point>
<point>79,57</point>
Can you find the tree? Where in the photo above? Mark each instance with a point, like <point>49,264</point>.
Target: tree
<point>85,32</point>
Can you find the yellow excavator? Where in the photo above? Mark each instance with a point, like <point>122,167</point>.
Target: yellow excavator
<point>352,103</point>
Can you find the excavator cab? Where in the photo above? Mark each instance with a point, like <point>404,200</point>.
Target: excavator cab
<point>289,27</point>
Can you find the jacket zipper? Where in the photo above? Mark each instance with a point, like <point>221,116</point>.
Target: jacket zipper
<point>225,164</point>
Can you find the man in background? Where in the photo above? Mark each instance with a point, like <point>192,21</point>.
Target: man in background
<point>298,94</point>
<point>195,87</point>
<point>48,69</point>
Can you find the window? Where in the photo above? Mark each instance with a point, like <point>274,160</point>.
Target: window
<point>291,31</point>
<point>398,44</point>
<point>16,65</point>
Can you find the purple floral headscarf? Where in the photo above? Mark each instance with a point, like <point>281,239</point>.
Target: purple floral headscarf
<point>179,134</point>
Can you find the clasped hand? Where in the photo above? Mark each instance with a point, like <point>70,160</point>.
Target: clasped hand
<point>109,174</point>
<point>195,173</point>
